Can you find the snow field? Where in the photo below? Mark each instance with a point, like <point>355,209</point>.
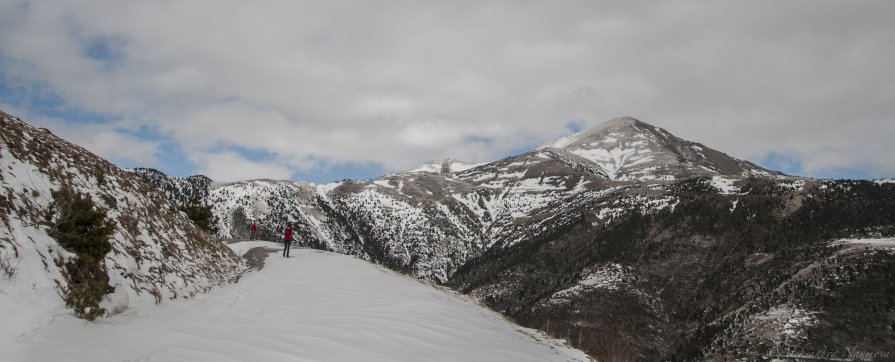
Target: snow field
<point>315,306</point>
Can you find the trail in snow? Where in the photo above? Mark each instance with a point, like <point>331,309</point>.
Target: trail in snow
<point>315,306</point>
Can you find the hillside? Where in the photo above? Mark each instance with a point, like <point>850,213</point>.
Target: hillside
<point>79,232</point>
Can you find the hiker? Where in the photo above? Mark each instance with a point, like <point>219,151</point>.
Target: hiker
<point>253,228</point>
<point>287,240</point>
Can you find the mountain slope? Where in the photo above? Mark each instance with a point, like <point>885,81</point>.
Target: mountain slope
<point>685,281</point>
<point>182,190</point>
<point>315,306</point>
<point>155,252</point>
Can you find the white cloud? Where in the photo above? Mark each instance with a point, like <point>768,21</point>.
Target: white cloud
<point>401,82</point>
<point>229,166</point>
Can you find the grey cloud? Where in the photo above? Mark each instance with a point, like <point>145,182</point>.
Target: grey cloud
<point>401,82</point>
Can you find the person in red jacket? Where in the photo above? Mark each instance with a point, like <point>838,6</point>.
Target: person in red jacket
<point>253,228</point>
<point>287,240</point>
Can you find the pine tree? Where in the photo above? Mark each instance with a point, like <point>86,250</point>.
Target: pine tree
<point>201,215</point>
<point>82,228</point>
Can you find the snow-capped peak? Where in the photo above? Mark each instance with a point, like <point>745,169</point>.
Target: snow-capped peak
<point>615,124</point>
<point>627,148</point>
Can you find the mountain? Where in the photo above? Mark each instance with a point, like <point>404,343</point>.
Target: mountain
<point>631,243</point>
<point>82,233</point>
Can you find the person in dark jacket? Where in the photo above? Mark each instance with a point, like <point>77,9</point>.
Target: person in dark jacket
<point>287,240</point>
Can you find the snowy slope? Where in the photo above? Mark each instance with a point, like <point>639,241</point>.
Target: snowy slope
<point>270,203</point>
<point>315,306</point>
<point>412,229</point>
<point>157,253</point>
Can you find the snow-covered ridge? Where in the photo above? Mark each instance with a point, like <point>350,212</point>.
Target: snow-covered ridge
<point>446,166</point>
<point>580,137</point>
<point>877,242</point>
<point>314,306</point>
<point>157,253</point>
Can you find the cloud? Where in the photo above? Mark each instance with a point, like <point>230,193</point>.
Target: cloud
<point>396,83</point>
<point>229,166</point>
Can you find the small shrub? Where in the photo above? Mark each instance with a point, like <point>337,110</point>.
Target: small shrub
<point>109,200</point>
<point>81,228</point>
<point>7,268</point>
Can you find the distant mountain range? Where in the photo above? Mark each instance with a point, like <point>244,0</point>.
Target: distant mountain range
<point>629,242</point>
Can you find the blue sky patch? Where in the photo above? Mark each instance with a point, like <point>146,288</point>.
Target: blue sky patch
<point>107,51</point>
<point>790,165</point>
<point>38,98</point>
<point>477,139</point>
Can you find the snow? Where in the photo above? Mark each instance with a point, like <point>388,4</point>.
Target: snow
<point>384,183</point>
<point>437,166</point>
<point>615,159</point>
<point>628,203</point>
<point>611,276</point>
<point>325,189</point>
<point>787,320</point>
<point>428,167</point>
<point>460,166</point>
<point>315,306</point>
<point>582,136</point>
<point>725,186</point>
<point>606,277</point>
<point>792,185</point>
<point>881,242</point>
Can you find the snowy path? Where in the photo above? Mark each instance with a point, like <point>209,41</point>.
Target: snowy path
<point>315,306</point>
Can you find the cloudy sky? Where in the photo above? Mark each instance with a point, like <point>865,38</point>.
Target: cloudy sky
<point>324,90</point>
